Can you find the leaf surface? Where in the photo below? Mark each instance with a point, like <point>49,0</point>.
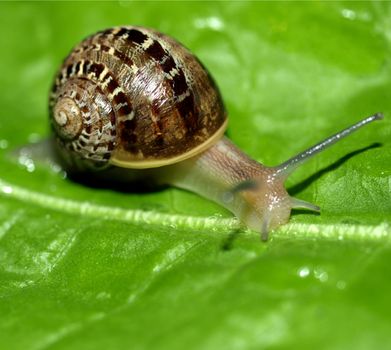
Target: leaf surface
<point>93,268</point>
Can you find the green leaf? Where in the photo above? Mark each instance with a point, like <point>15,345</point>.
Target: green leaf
<point>93,268</point>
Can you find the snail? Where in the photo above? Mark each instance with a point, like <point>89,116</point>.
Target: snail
<point>131,101</point>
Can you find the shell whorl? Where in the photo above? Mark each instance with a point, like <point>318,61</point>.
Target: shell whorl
<point>130,96</point>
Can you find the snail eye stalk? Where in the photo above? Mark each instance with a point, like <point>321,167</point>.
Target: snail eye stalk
<point>285,169</point>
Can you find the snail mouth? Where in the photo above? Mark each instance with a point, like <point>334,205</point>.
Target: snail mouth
<point>262,203</point>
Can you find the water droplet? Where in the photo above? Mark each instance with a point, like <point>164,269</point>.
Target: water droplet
<point>56,168</point>
<point>3,144</point>
<point>6,189</point>
<point>214,23</point>
<point>341,285</point>
<point>304,272</point>
<point>215,229</point>
<point>172,226</point>
<point>25,160</point>
<point>24,284</point>
<point>321,275</point>
<point>349,14</point>
<point>356,15</point>
<point>30,167</point>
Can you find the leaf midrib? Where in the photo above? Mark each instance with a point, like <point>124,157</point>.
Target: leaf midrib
<point>194,223</point>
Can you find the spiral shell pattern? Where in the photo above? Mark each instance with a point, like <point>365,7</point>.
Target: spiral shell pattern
<point>131,96</point>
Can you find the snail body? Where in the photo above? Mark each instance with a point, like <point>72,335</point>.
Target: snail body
<point>133,98</point>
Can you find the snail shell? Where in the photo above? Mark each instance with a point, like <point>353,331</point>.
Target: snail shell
<point>135,98</point>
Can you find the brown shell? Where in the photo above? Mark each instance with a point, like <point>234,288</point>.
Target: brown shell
<point>136,98</point>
